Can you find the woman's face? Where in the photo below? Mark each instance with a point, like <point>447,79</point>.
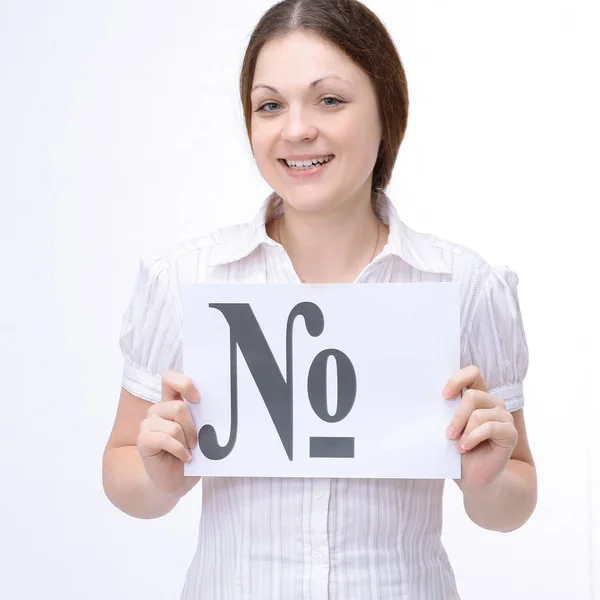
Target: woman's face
<point>309,101</point>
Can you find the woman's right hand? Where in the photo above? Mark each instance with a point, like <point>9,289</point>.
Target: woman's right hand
<point>168,433</point>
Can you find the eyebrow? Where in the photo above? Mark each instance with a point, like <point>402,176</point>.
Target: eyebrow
<point>312,85</point>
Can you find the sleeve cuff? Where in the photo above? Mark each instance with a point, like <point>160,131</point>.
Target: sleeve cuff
<point>142,384</point>
<point>511,395</point>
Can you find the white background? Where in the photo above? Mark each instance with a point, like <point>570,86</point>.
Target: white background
<point>121,129</point>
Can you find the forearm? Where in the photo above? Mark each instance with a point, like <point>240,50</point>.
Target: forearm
<point>507,504</point>
<point>129,488</point>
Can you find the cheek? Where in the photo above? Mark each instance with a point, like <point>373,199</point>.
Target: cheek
<point>363,142</point>
<point>258,148</point>
<point>263,154</point>
<point>360,130</point>
<point>262,141</point>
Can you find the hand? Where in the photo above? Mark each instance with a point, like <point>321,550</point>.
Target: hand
<point>167,434</point>
<point>484,429</point>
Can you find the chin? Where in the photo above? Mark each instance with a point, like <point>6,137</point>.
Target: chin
<point>308,200</point>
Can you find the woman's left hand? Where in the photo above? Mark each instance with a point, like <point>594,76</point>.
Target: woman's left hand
<point>483,428</point>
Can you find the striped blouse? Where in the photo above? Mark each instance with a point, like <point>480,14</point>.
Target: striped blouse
<point>301,538</point>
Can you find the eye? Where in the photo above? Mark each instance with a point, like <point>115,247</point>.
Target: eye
<point>328,100</point>
<point>337,101</point>
<point>261,108</point>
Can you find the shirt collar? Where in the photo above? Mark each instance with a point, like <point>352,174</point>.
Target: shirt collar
<point>411,246</point>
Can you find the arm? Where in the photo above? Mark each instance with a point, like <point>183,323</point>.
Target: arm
<point>498,478</point>
<point>509,502</point>
<point>125,481</point>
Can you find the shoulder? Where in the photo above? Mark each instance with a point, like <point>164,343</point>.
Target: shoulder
<point>460,258</point>
<point>467,264</point>
<point>463,262</point>
<point>183,257</point>
<point>475,274</point>
<point>489,286</point>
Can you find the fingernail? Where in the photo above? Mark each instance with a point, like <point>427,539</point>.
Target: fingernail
<point>188,457</point>
<point>450,432</point>
<point>195,396</point>
<point>447,392</point>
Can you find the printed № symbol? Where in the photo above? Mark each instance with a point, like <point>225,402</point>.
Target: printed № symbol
<point>277,390</point>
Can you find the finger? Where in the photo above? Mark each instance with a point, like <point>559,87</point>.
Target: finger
<point>176,386</point>
<point>482,415</point>
<point>470,401</point>
<point>468,377</point>
<point>158,425</point>
<point>178,413</point>
<point>153,442</point>
<point>503,434</point>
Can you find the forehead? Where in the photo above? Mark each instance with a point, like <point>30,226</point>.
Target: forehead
<point>303,57</point>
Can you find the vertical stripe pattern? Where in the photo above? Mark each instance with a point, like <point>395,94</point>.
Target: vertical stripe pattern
<point>323,539</point>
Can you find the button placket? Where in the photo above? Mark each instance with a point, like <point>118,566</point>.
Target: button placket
<point>319,519</point>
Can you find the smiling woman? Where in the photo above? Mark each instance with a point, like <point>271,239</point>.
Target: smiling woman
<point>325,103</point>
<point>362,59</point>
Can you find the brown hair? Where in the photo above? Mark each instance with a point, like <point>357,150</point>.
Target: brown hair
<point>357,32</point>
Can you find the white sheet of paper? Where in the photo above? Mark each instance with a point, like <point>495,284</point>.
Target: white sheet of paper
<point>402,341</point>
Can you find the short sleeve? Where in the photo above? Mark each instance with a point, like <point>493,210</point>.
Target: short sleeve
<point>151,331</point>
<point>496,341</point>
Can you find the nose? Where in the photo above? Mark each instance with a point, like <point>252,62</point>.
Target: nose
<point>297,126</point>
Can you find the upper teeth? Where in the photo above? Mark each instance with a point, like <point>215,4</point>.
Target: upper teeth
<point>307,163</point>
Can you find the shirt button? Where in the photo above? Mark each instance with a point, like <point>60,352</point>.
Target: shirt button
<point>317,555</point>
<point>319,493</point>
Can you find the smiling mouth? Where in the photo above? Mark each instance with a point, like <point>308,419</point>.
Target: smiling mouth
<point>300,165</point>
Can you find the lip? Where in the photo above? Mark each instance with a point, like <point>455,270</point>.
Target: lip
<point>302,173</point>
<point>306,156</point>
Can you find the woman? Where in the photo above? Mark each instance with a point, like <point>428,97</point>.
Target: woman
<point>325,102</point>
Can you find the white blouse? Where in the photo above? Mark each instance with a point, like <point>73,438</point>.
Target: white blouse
<point>337,539</point>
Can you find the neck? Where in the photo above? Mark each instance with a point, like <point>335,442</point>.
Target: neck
<point>332,246</point>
